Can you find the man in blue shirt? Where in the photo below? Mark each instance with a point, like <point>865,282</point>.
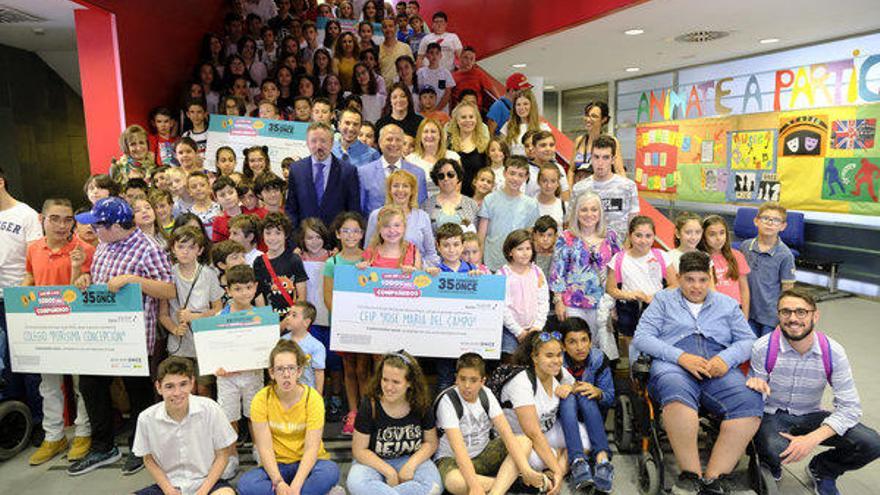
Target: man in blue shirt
<point>793,374</point>
<point>499,112</point>
<point>347,147</point>
<point>697,337</point>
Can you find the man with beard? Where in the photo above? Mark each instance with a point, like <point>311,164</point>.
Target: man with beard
<point>697,337</point>
<point>791,367</point>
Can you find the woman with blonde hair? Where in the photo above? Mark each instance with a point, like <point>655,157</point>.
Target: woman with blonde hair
<point>401,189</point>
<point>523,118</point>
<point>431,145</point>
<point>136,154</point>
<point>466,138</point>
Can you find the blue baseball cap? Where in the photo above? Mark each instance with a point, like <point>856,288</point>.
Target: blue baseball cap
<point>108,211</point>
<point>427,88</point>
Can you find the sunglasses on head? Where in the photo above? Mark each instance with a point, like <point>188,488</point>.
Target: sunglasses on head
<point>548,336</point>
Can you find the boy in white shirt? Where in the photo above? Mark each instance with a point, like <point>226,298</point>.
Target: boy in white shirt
<point>467,455</point>
<point>449,43</point>
<point>184,439</point>
<point>437,76</point>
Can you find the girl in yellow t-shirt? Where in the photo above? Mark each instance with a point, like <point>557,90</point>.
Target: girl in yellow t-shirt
<point>288,420</point>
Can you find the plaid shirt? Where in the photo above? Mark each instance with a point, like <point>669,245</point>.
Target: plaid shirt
<point>134,255</point>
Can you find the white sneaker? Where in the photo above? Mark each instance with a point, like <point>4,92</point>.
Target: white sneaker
<point>231,469</point>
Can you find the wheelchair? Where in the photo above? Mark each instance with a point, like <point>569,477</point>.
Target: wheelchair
<point>638,430</point>
<point>16,422</point>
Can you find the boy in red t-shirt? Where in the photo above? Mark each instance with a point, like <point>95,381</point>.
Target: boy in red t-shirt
<point>59,258</point>
<point>162,142</point>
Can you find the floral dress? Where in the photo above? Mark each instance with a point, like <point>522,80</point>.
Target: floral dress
<point>578,271</point>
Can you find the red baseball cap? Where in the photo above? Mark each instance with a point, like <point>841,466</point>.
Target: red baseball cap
<point>518,81</point>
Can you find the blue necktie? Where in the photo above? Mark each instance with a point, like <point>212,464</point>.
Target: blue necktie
<point>319,181</point>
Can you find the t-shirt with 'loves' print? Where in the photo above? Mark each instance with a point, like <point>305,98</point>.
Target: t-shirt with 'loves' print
<point>392,437</point>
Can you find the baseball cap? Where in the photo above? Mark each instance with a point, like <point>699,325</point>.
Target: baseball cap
<point>518,81</point>
<point>109,211</point>
<point>427,88</point>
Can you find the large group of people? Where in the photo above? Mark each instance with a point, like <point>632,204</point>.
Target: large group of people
<point>411,168</point>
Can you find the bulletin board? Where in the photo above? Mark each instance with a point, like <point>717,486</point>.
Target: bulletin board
<point>824,159</point>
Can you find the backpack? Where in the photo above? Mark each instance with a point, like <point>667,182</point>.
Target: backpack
<point>629,312</point>
<point>503,374</point>
<point>458,406</point>
<point>773,352</point>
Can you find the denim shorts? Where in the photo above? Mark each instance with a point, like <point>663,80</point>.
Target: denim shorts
<point>726,397</point>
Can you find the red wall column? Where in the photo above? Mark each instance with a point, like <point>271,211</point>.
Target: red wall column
<point>99,69</point>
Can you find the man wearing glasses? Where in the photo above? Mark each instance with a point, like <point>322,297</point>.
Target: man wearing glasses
<point>791,367</point>
<point>772,267</point>
<point>125,255</point>
<point>697,338</point>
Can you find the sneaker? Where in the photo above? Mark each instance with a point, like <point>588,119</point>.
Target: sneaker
<point>724,483</point>
<point>133,464</point>
<point>581,478</point>
<point>231,469</point>
<point>334,408</point>
<point>821,486</point>
<point>336,490</point>
<point>48,449</point>
<point>94,460</point>
<point>79,448</point>
<point>688,483</point>
<point>348,426</point>
<point>603,476</point>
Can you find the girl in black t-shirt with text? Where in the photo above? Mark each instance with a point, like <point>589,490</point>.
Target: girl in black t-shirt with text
<point>395,435</point>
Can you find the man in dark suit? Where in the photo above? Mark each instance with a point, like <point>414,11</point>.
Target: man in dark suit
<point>373,174</point>
<point>320,185</point>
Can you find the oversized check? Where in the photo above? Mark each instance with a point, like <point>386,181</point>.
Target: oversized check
<point>284,139</point>
<point>377,311</point>
<point>60,329</point>
<point>235,341</point>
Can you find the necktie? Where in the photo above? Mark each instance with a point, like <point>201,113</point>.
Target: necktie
<point>319,181</point>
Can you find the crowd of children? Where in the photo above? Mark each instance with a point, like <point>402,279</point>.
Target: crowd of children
<point>579,262</point>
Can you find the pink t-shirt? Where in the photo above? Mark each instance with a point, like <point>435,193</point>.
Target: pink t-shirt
<point>723,284</point>
<point>524,293</point>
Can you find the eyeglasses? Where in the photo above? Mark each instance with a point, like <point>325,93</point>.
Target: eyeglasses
<point>548,336</point>
<point>770,220</point>
<point>799,312</point>
<point>447,175</point>
<point>350,231</point>
<point>283,370</point>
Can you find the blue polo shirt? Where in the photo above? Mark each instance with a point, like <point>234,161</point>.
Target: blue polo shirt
<point>358,153</point>
<point>464,267</point>
<point>769,270</point>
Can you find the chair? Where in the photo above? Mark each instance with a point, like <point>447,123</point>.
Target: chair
<point>793,235</point>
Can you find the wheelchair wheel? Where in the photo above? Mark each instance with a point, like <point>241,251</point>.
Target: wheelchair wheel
<point>624,425</point>
<point>649,475</point>
<point>15,428</point>
<point>764,482</point>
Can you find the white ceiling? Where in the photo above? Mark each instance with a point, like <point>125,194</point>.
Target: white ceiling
<point>56,45</point>
<point>598,51</point>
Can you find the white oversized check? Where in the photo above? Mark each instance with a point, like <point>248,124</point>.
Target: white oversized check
<point>60,329</point>
<point>377,311</point>
<point>235,341</point>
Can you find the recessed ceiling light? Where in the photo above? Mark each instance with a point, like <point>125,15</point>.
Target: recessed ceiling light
<point>519,66</point>
<point>550,87</point>
<point>634,32</point>
<point>632,69</point>
<point>767,41</point>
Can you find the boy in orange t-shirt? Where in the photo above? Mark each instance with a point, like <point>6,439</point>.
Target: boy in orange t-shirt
<point>59,258</point>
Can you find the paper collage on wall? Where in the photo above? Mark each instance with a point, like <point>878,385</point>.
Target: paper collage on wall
<point>825,159</point>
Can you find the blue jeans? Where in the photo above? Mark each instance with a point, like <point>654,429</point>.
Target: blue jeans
<point>761,329</point>
<point>24,386</point>
<point>856,448</point>
<point>726,396</point>
<point>576,408</point>
<point>364,480</point>
<point>321,479</point>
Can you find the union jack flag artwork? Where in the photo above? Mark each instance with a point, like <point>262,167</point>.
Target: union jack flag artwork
<point>853,134</point>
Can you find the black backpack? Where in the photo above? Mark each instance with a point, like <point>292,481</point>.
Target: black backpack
<point>456,402</point>
<point>503,374</point>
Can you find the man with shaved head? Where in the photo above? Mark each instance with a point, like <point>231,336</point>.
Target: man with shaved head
<point>373,175</point>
